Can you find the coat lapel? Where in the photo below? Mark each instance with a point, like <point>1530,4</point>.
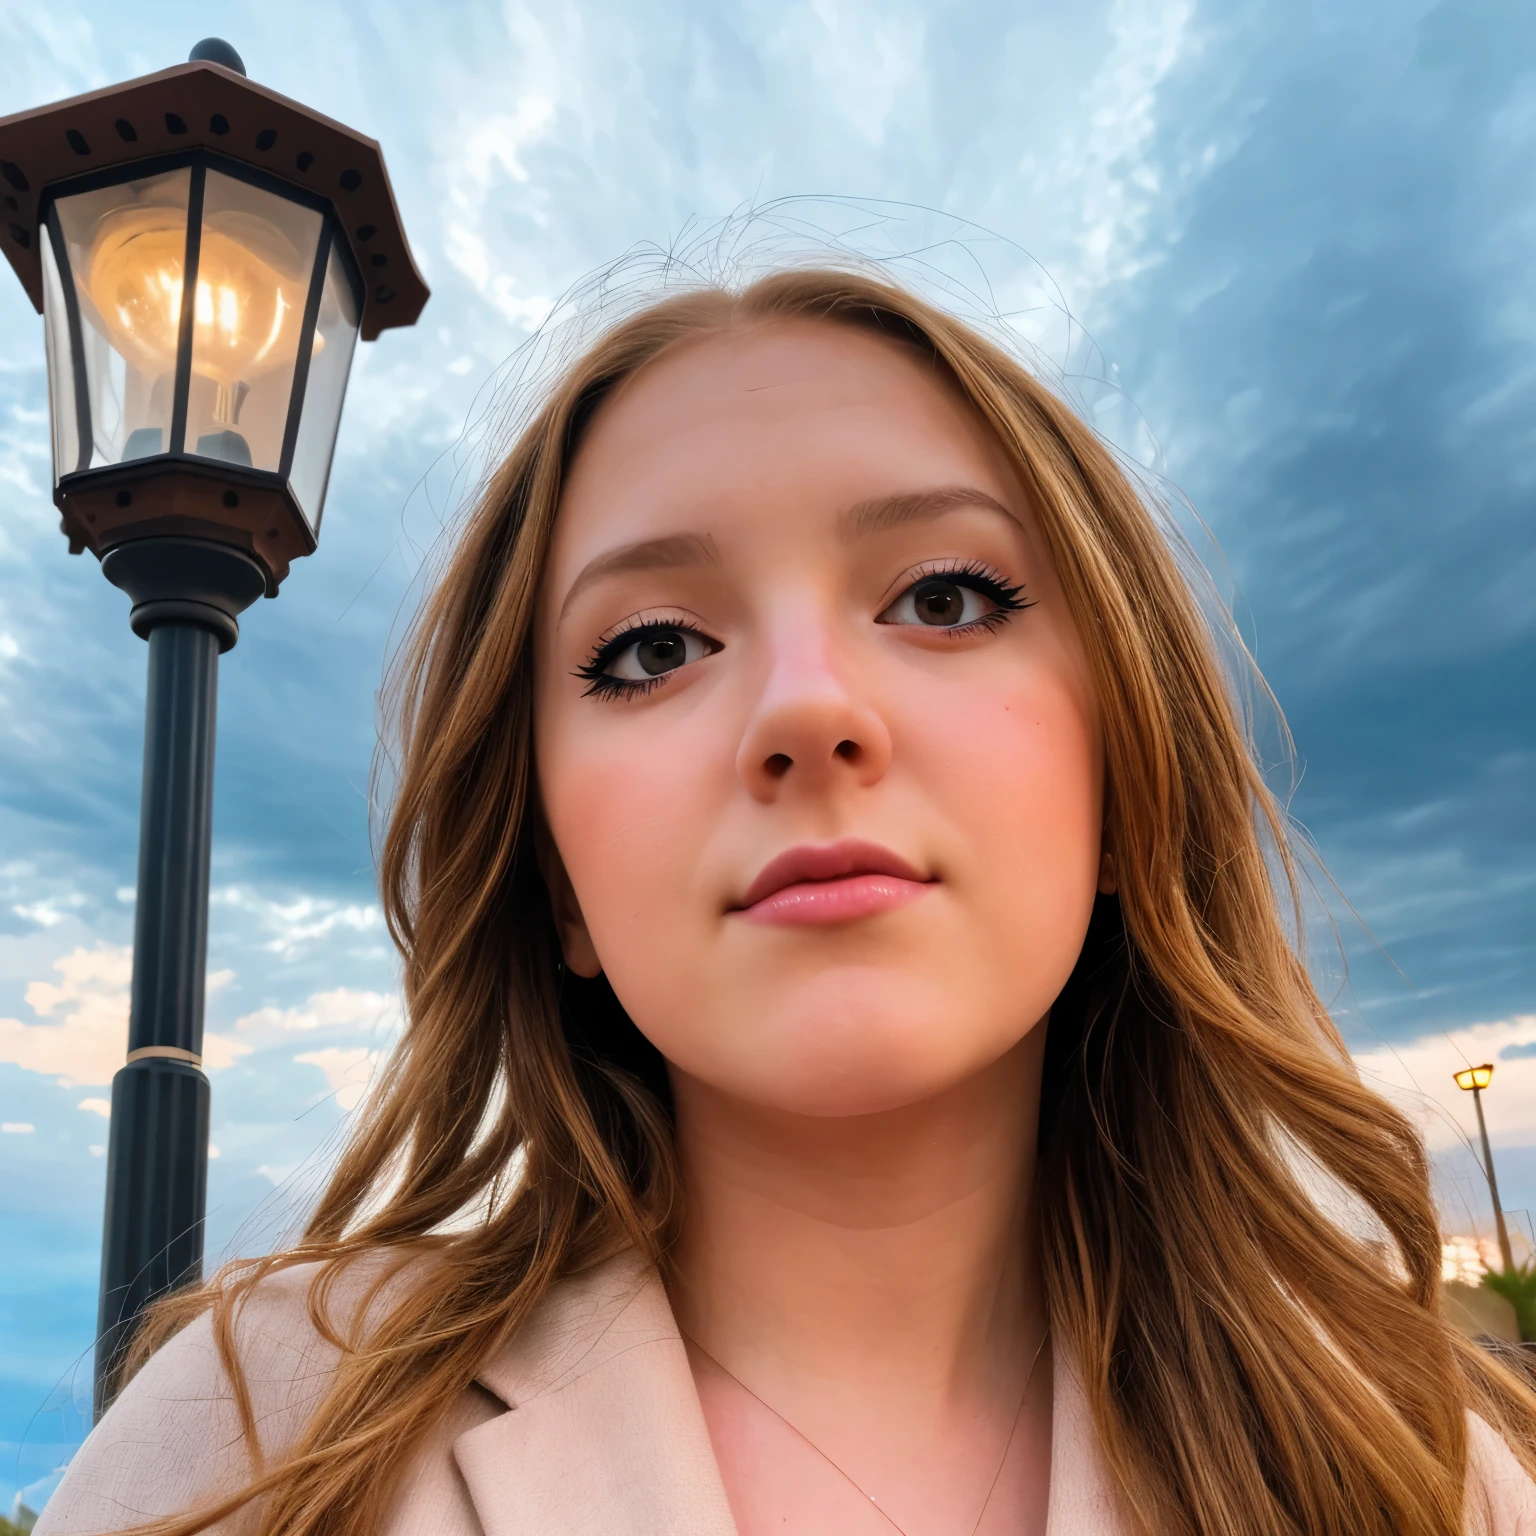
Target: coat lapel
<point>605,1437</point>
<point>604,1433</point>
<point>1083,1501</point>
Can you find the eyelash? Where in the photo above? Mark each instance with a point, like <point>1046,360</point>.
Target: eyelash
<point>979,577</point>
<point>990,583</point>
<point>602,685</point>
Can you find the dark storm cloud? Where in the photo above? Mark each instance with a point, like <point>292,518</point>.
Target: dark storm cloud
<point>1337,340</point>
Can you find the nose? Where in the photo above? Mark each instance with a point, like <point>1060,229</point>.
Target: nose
<point>811,729</point>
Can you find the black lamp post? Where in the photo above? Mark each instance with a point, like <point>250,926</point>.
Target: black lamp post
<point>1473,1080</point>
<point>205,254</point>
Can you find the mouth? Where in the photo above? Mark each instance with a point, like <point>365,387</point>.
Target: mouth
<point>834,883</point>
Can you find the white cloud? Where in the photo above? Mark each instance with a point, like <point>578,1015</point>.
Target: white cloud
<point>342,1011</point>
<point>347,1070</point>
<point>1419,1076</point>
<point>17,1127</point>
<point>1113,164</point>
<point>468,251</point>
<point>868,58</point>
<point>486,156</point>
<point>47,913</point>
<point>90,1003</point>
<point>102,1107</point>
<point>494,147</point>
<point>86,1039</point>
<point>296,925</point>
<point>357,1026</point>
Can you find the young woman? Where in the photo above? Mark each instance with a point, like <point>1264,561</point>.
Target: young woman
<point>856,1078</point>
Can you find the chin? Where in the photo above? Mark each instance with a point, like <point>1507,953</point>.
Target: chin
<point>838,1057</point>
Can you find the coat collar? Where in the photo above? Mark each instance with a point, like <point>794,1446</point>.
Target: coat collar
<point>604,1435</point>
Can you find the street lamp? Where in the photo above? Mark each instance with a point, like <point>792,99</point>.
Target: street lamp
<point>205,254</point>
<point>1473,1080</point>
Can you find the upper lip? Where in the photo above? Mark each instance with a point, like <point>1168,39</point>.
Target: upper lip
<point>829,861</point>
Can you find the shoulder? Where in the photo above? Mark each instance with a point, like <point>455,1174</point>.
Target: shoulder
<point>1501,1498</point>
<point>174,1440</point>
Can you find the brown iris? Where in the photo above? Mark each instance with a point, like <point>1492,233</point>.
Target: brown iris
<point>661,653</point>
<point>938,601</point>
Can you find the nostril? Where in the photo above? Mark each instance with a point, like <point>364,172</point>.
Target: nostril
<point>848,751</point>
<point>778,765</point>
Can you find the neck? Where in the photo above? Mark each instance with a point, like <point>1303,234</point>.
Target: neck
<point>889,1256</point>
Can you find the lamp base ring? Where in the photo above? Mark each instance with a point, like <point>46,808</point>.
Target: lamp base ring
<point>185,581</point>
<point>144,617</point>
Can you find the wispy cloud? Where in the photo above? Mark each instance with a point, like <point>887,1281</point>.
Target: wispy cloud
<point>295,926</point>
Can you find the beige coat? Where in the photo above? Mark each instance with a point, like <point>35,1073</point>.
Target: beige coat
<point>587,1424</point>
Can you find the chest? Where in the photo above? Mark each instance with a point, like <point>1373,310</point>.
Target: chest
<point>853,1470</point>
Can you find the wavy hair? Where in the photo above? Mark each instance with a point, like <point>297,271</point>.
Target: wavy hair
<point>1255,1366</point>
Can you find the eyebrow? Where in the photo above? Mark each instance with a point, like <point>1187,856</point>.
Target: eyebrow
<point>886,512</point>
<point>669,553</point>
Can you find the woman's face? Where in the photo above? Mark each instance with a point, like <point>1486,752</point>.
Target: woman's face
<point>815,736</point>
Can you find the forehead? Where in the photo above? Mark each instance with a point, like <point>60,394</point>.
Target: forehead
<point>787,408</point>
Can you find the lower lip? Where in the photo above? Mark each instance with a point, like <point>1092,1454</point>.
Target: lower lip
<point>834,901</point>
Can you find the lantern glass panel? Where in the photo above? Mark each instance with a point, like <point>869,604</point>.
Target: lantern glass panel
<point>61,367</point>
<point>335,337</point>
<point>256,260</point>
<point>126,247</point>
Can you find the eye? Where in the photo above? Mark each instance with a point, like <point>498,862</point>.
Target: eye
<point>655,651</point>
<point>639,658</point>
<point>965,599</point>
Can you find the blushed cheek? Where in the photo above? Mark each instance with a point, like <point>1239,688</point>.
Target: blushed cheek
<point>1028,791</point>
<point>624,828</point>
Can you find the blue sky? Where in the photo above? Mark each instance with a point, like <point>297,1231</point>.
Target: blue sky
<point>1301,235</point>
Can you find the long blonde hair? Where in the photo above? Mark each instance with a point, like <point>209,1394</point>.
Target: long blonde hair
<point>1253,1366</point>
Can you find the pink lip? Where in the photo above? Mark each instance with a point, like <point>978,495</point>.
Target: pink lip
<point>833,884</point>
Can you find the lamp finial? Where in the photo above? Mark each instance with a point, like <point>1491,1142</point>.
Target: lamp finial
<point>214,50</point>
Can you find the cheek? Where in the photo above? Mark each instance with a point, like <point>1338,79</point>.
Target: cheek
<point>1016,774</point>
<point>629,809</point>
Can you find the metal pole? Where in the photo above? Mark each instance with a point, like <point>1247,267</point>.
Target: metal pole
<point>187,593</point>
<point>1505,1251</point>
<point>157,1155</point>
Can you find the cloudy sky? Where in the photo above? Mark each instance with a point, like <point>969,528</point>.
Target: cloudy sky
<point>1301,236</point>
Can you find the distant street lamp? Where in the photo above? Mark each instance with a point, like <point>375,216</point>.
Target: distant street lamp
<point>1474,1080</point>
<point>204,253</point>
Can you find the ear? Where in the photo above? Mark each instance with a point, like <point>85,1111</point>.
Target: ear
<point>575,938</point>
<point>1108,884</point>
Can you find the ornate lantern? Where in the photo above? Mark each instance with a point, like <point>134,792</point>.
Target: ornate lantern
<point>205,253</point>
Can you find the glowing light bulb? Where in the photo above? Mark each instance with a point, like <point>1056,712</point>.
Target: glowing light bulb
<point>133,276</point>
<point>247,311</point>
